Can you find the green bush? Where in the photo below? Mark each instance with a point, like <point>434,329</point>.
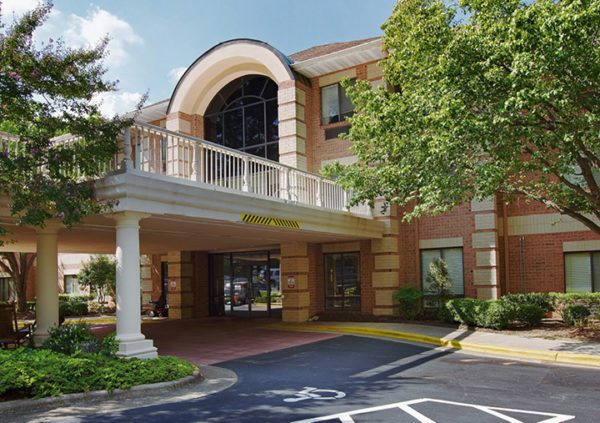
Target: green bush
<point>71,339</point>
<point>99,308</point>
<point>529,314</point>
<point>483,313</point>
<point>575,313</point>
<point>28,373</point>
<point>75,298</point>
<point>543,300</point>
<point>409,301</point>
<point>494,314</point>
<point>459,310</point>
<point>65,309</point>
<point>72,309</point>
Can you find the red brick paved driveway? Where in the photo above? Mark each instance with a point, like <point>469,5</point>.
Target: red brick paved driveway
<point>219,339</point>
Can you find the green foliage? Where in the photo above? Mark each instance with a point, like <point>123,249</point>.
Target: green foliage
<point>70,339</point>
<point>262,297</point>
<point>506,102</point>
<point>483,313</point>
<point>72,309</point>
<point>529,314</point>
<point>575,313</point>
<point>44,93</point>
<point>408,298</point>
<point>100,274</point>
<point>98,308</point>
<point>438,282</point>
<point>29,373</point>
<point>74,298</point>
<point>543,300</point>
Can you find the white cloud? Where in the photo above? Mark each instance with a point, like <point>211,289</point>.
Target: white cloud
<point>175,74</point>
<point>17,7</point>
<point>113,103</point>
<point>87,31</point>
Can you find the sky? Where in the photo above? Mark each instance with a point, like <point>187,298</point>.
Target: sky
<point>152,42</point>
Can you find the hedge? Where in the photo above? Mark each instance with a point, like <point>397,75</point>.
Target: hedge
<point>29,373</point>
<point>494,314</point>
<point>543,300</point>
<point>75,298</point>
<point>73,309</point>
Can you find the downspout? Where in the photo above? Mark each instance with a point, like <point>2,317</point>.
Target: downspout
<point>506,255</point>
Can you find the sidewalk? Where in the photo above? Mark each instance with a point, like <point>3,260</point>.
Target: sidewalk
<point>559,351</point>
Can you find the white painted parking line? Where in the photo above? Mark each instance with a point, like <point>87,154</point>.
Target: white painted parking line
<point>395,364</point>
<point>346,417</point>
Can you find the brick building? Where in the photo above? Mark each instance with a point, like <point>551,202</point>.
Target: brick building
<point>219,192</point>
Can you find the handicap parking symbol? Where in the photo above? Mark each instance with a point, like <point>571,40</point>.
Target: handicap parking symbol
<point>310,393</point>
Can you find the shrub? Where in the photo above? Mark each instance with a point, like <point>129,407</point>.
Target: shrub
<point>28,373</point>
<point>65,309</point>
<point>484,313</point>
<point>574,313</point>
<point>529,314</point>
<point>99,308</point>
<point>494,314</point>
<point>71,339</point>
<point>543,300</point>
<point>459,310</point>
<point>409,301</point>
<point>75,298</point>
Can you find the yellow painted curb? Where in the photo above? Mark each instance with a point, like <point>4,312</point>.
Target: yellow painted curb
<point>559,357</point>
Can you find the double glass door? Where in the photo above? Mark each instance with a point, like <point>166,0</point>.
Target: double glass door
<point>245,283</point>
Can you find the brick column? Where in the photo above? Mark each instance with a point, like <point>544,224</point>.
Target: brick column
<point>180,294</point>
<point>386,263</point>
<point>296,300</point>
<point>291,99</point>
<point>200,284</point>
<point>485,247</point>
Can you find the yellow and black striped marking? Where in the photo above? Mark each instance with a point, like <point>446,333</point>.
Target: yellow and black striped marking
<point>270,221</point>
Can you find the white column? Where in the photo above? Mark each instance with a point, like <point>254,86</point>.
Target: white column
<point>129,323</point>
<point>46,309</point>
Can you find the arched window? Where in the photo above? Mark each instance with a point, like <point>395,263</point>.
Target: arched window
<point>243,115</point>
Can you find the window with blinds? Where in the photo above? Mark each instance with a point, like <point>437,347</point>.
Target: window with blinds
<point>454,260</point>
<point>582,272</point>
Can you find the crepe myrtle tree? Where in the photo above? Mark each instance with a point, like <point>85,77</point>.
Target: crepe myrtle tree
<point>505,101</point>
<point>47,91</point>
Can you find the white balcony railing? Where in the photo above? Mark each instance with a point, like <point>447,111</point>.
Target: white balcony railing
<point>152,149</point>
<point>164,152</point>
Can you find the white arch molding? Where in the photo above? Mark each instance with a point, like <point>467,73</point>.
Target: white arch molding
<point>221,65</point>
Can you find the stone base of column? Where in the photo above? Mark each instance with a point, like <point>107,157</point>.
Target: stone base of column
<point>39,338</point>
<point>140,348</point>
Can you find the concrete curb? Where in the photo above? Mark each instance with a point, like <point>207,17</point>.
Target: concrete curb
<point>133,392</point>
<point>544,355</point>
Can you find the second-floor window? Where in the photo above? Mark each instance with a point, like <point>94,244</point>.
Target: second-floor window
<point>335,106</point>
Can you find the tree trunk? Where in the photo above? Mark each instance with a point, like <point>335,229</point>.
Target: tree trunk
<point>17,265</point>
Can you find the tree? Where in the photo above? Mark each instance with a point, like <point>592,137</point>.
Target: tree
<point>100,274</point>
<point>439,284</point>
<point>17,265</point>
<point>45,92</point>
<point>506,103</point>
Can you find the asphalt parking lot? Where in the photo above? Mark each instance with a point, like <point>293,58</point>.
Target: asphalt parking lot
<point>359,379</point>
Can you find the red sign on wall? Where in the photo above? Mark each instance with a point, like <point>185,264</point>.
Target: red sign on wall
<point>291,281</point>
<point>173,285</point>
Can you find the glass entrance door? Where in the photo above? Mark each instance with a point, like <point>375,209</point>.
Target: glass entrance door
<point>245,283</point>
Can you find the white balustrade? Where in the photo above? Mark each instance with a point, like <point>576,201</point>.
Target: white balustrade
<point>152,149</point>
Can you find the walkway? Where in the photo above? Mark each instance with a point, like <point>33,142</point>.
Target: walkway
<point>214,340</point>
